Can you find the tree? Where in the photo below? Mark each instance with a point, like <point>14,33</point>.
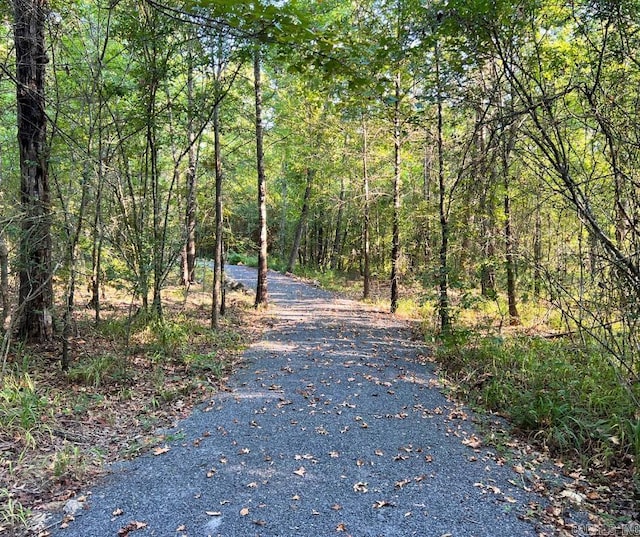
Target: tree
<point>261,288</point>
<point>36,289</point>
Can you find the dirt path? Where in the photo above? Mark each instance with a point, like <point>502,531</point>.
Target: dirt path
<point>333,427</point>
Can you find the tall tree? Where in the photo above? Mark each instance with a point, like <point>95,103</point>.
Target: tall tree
<point>36,289</point>
<point>261,288</point>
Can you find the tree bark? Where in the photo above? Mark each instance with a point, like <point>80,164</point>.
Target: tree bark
<point>189,257</point>
<point>36,289</point>
<point>295,247</point>
<point>261,287</point>
<point>395,248</point>
<point>443,276</point>
<point>217,262</point>
<point>366,221</point>
<point>336,250</point>
<point>514,317</point>
<point>4,281</point>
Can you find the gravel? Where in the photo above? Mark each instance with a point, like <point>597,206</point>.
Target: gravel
<point>334,425</point>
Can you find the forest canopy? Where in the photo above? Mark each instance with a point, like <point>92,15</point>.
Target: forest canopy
<point>473,163</point>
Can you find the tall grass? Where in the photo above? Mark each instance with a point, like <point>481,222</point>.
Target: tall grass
<point>22,409</point>
<point>569,397</point>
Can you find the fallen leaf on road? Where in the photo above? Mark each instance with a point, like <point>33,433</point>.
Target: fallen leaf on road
<point>382,503</point>
<point>134,525</point>
<point>214,513</point>
<point>117,512</point>
<point>244,511</point>
<point>473,442</point>
<point>360,487</point>
<point>161,450</point>
<point>300,471</point>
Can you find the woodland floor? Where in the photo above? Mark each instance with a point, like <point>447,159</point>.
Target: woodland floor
<point>332,422</point>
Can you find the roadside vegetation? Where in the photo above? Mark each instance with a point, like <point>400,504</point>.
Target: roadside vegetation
<point>132,377</point>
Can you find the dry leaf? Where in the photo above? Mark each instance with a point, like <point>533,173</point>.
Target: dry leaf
<point>134,525</point>
<point>336,507</point>
<point>341,527</point>
<point>300,471</point>
<point>244,511</point>
<point>161,450</point>
<point>117,512</point>
<point>360,487</point>
<point>214,513</point>
<point>473,442</point>
<point>382,503</point>
<point>379,452</point>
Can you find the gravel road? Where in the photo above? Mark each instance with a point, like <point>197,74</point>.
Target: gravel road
<point>335,425</point>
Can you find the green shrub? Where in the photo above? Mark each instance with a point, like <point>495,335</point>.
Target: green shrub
<point>21,408</point>
<point>99,370</point>
<point>566,396</point>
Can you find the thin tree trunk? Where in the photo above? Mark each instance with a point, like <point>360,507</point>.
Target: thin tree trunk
<point>261,287</point>
<point>217,262</point>
<point>336,250</point>
<point>514,317</point>
<point>295,247</point>
<point>36,289</point>
<point>4,280</point>
<point>395,248</point>
<point>96,248</point>
<point>366,224</point>
<point>189,257</point>
<point>443,277</point>
<point>72,244</point>
<point>537,253</point>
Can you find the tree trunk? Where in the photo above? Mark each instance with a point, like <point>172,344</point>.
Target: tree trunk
<point>189,257</point>
<point>261,287</point>
<point>4,281</point>
<point>217,262</point>
<point>336,251</point>
<point>395,248</point>
<point>537,253</point>
<point>36,289</point>
<point>514,317</point>
<point>295,247</point>
<point>97,234</point>
<point>443,276</point>
<point>366,221</point>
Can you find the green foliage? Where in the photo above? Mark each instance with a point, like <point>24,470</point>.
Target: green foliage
<point>99,370</point>
<point>22,408</point>
<point>169,337</point>
<point>236,258</point>
<point>12,511</point>
<point>566,396</point>
<point>210,364</point>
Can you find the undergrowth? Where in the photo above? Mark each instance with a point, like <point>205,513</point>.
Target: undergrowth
<point>567,397</point>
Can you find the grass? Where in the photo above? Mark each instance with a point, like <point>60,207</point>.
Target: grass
<point>565,396</point>
<point>129,376</point>
<point>23,409</point>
